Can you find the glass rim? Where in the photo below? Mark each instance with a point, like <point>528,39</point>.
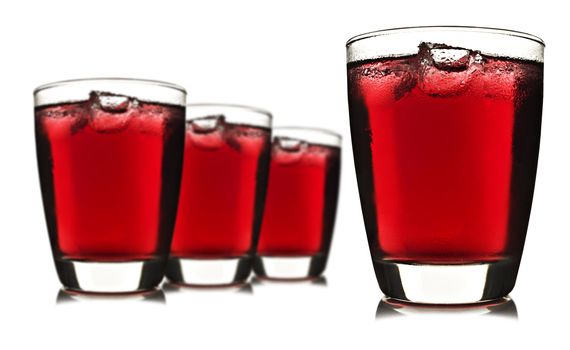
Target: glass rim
<point>448,28</point>
<point>241,107</point>
<point>60,83</point>
<point>304,128</point>
<point>311,135</point>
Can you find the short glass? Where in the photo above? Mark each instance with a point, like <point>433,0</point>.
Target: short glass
<point>445,125</point>
<point>226,160</point>
<point>301,203</point>
<point>110,157</point>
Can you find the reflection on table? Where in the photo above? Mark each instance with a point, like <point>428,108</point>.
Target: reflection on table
<point>242,288</point>
<point>504,307</point>
<point>319,281</point>
<point>65,296</point>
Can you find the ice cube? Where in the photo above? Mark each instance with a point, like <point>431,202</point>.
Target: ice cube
<point>245,138</point>
<point>445,70</point>
<point>207,124</point>
<point>111,113</point>
<point>207,133</point>
<point>73,117</point>
<point>150,119</point>
<point>317,155</point>
<point>375,72</point>
<point>499,79</point>
<point>407,81</point>
<point>450,59</point>
<point>290,145</point>
<point>288,150</point>
<point>79,123</point>
<point>232,137</point>
<point>397,75</point>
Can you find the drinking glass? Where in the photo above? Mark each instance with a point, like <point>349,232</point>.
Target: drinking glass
<point>301,204</point>
<point>445,125</point>
<point>110,157</point>
<point>224,178</point>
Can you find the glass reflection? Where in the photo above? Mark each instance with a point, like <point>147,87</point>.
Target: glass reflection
<point>504,307</point>
<point>65,296</point>
<point>319,281</point>
<point>242,288</point>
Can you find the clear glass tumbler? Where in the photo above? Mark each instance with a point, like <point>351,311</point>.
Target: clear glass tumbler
<point>445,125</point>
<point>110,158</point>
<point>301,203</point>
<point>224,177</point>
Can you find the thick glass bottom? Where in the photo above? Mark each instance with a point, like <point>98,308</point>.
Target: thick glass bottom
<point>208,271</point>
<point>289,267</point>
<point>446,284</point>
<point>110,277</point>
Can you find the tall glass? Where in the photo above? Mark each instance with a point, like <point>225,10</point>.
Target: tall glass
<point>110,158</point>
<point>445,125</point>
<point>300,208</point>
<point>224,177</point>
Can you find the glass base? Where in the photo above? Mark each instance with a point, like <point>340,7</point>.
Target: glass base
<point>289,267</point>
<point>446,284</point>
<point>110,277</point>
<point>208,272</point>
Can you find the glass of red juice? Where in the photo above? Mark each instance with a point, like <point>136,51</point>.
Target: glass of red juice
<point>300,206</point>
<point>110,160</point>
<point>224,176</point>
<point>445,125</point>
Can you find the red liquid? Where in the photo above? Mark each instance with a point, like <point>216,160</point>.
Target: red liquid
<point>109,178</point>
<point>446,155</point>
<point>301,200</point>
<point>222,191</point>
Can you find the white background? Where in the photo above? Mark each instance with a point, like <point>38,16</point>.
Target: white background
<point>288,57</point>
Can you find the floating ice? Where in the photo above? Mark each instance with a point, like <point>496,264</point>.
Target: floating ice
<point>151,119</point>
<point>450,59</point>
<point>111,113</point>
<point>288,150</point>
<point>407,81</point>
<point>445,70</point>
<point>73,116</point>
<point>243,138</point>
<point>207,124</point>
<point>207,133</point>
<point>290,145</point>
